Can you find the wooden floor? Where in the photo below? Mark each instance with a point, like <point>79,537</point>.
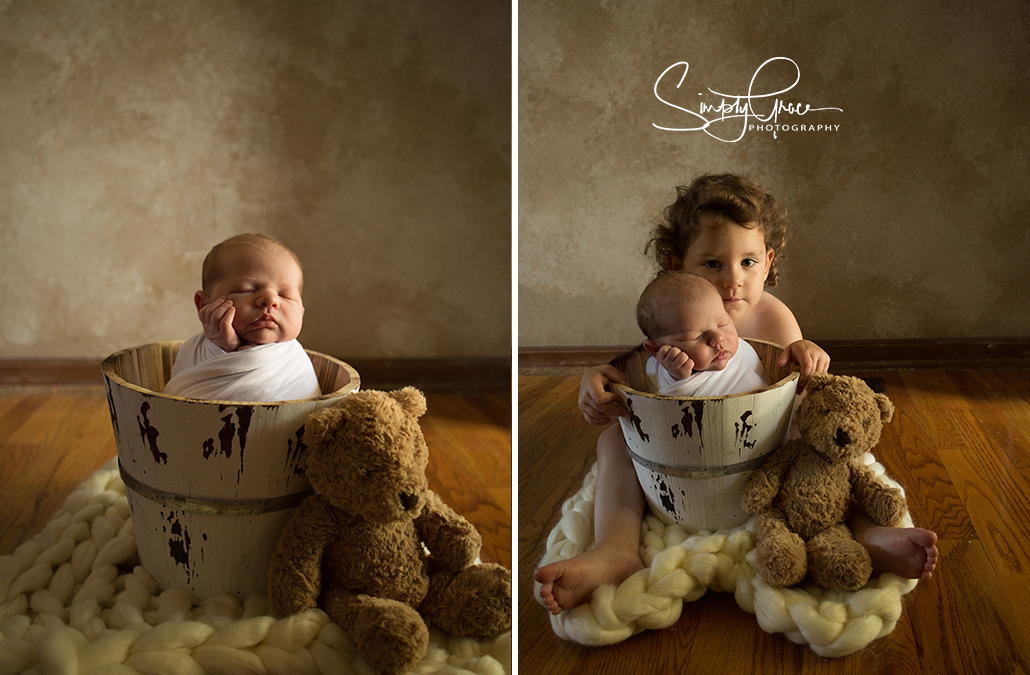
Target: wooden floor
<point>52,438</point>
<point>959,443</point>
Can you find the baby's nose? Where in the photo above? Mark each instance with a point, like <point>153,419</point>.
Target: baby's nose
<point>268,300</point>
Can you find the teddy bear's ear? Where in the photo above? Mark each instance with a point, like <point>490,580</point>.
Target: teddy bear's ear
<point>886,407</point>
<point>817,381</point>
<point>319,424</point>
<point>411,400</point>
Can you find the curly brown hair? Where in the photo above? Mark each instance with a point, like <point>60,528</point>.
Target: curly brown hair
<point>727,197</point>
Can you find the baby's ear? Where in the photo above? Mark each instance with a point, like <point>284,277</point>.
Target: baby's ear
<point>652,347</point>
<point>200,299</point>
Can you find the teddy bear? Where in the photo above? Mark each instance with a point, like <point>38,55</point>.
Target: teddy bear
<point>802,494</point>
<point>375,547</point>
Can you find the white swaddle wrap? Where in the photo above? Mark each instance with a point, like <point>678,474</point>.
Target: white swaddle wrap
<point>279,371</point>
<point>744,372</point>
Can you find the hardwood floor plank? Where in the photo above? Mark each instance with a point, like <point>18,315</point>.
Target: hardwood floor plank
<point>908,452</point>
<point>970,599</point>
<point>19,410</point>
<point>468,447</point>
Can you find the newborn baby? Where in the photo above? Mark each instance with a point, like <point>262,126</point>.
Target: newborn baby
<point>251,312</point>
<point>689,332</point>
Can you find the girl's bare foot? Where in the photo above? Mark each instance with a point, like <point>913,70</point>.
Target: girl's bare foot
<point>909,552</point>
<point>568,583</point>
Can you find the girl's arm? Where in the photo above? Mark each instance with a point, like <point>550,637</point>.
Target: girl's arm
<point>598,405</point>
<point>809,356</point>
<point>771,320</point>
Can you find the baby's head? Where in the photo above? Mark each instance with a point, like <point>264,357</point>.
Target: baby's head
<point>683,310</point>
<point>263,279</point>
<point>712,202</point>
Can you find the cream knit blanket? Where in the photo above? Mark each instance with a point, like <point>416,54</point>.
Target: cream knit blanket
<point>74,600</point>
<point>682,566</point>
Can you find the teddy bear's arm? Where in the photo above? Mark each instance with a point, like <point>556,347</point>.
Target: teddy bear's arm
<point>294,571</point>
<point>764,482</point>
<point>452,541</point>
<point>883,503</point>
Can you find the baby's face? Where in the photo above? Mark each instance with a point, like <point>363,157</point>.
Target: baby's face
<point>264,287</point>
<point>705,332</point>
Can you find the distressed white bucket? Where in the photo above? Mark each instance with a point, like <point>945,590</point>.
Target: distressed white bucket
<point>211,484</point>
<point>693,455</point>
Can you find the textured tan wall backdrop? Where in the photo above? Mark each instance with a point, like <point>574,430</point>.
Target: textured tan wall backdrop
<point>909,220</point>
<point>372,137</point>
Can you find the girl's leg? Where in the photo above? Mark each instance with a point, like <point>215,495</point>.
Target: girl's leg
<point>618,511</point>
<point>909,552</point>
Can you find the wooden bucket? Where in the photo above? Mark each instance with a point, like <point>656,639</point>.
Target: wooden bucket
<point>693,455</point>
<point>211,484</point>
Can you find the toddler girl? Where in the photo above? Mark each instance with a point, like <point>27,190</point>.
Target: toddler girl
<point>728,230</point>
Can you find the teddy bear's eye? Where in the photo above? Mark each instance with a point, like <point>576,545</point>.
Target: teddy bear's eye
<point>364,472</point>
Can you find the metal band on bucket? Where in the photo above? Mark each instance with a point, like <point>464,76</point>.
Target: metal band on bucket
<point>698,471</point>
<point>244,507</point>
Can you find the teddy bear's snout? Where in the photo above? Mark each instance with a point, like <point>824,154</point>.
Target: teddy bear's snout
<point>408,501</point>
<point>842,438</point>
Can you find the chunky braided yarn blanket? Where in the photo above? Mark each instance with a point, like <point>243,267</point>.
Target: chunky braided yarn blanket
<point>683,565</point>
<point>74,600</point>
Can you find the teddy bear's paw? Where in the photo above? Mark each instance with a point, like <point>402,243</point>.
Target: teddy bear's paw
<point>886,505</point>
<point>837,562</point>
<point>782,560</point>
<point>475,601</point>
<point>390,635</point>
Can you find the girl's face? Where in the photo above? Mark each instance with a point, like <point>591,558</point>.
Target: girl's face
<point>735,259</point>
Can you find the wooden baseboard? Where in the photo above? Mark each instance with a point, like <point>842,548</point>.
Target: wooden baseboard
<point>488,375</point>
<point>846,354</point>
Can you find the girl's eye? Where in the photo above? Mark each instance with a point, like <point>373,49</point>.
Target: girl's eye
<point>711,264</point>
<point>750,262</point>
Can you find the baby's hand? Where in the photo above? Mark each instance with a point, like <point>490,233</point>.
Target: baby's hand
<point>675,361</point>
<point>809,356</point>
<point>216,317</point>
<point>599,406</point>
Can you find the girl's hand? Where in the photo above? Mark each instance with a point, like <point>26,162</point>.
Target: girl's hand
<point>675,361</point>
<point>809,356</point>
<point>598,405</point>
<point>216,317</point>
